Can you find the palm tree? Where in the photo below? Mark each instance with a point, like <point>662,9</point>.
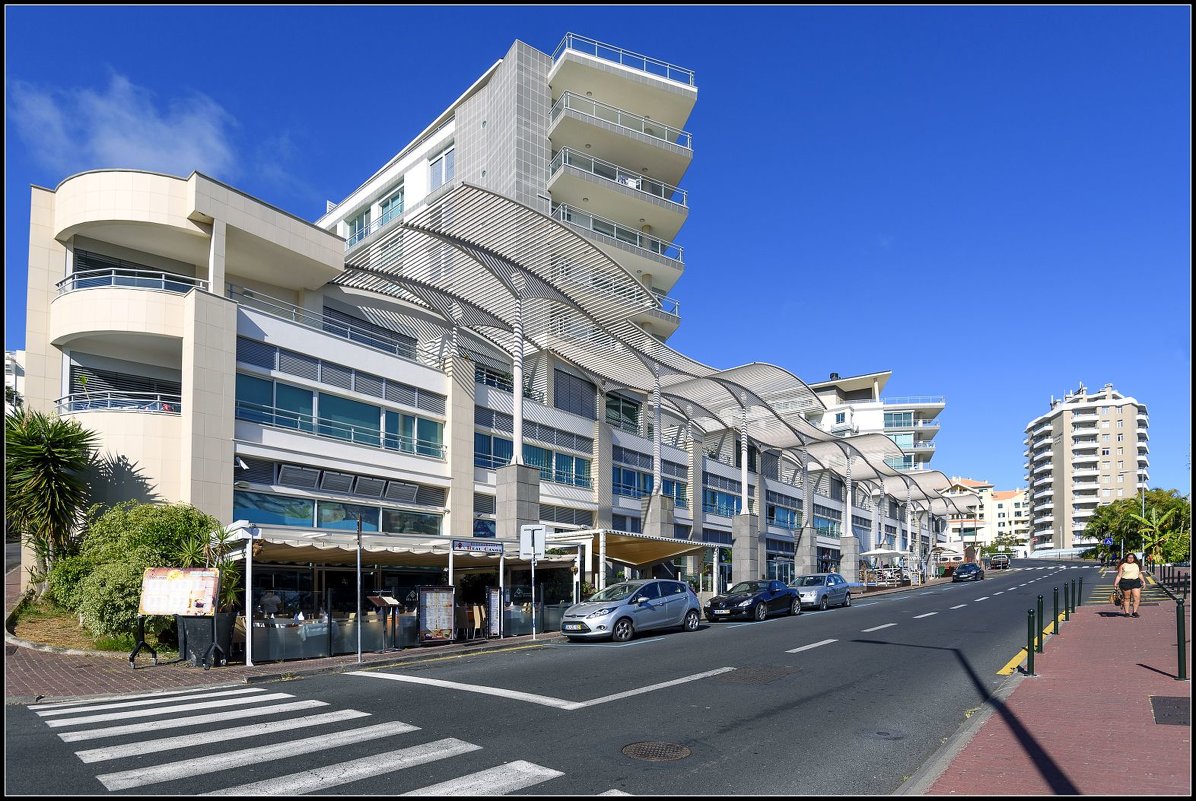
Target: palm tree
<point>46,459</point>
<point>1153,530</point>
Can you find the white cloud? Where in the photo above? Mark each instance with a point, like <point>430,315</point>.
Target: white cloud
<point>122,126</point>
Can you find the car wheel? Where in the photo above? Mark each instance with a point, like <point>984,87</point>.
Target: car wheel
<point>822,605</point>
<point>622,631</point>
<point>760,612</point>
<point>795,607</point>
<point>691,621</point>
<point>847,599</point>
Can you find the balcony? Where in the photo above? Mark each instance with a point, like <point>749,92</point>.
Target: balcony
<point>623,78</point>
<point>368,436</point>
<point>1045,467</point>
<point>608,190</point>
<point>119,402</point>
<point>1042,481</point>
<point>584,123</point>
<point>634,249</point>
<point>130,279</point>
<point>662,322</point>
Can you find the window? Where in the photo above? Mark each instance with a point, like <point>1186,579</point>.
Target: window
<point>493,378</point>
<point>840,417</point>
<point>899,419</point>
<point>491,452</point>
<point>349,420</point>
<point>1120,424</point>
<point>1104,423</point>
<point>1104,410</point>
<point>1121,451</point>
<point>1106,493</point>
<point>392,207</point>
<point>358,227</point>
<point>1104,451</point>
<point>397,521</point>
<point>622,413</point>
<point>1121,437</point>
<point>343,516</point>
<point>273,510</point>
<point>1120,492</point>
<point>442,168</point>
<point>1104,437</point>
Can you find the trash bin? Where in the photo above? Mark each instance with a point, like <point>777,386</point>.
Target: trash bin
<point>195,638</point>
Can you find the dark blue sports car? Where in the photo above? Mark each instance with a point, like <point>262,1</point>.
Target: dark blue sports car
<point>753,600</point>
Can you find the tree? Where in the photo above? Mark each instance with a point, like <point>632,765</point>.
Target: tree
<point>1123,522</point>
<point>46,459</point>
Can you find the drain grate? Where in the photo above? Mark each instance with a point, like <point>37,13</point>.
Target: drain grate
<point>757,675</point>
<point>656,751</point>
<point>1171,710</point>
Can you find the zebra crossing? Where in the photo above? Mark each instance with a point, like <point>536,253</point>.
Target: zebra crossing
<point>173,726</point>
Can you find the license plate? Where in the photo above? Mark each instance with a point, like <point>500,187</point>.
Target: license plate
<point>720,611</point>
<point>572,627</point>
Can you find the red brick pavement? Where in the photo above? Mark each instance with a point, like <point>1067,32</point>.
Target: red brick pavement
<point>1084,724</point>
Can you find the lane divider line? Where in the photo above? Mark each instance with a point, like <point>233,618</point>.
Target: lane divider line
<point>811,645</point>
<point>877,628</point>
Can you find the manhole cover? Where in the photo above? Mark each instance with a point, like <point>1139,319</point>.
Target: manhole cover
<point>656,751</point>
<point>1171,711</point>
<point>757,675</point>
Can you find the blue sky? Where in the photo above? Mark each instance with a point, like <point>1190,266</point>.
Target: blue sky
<point>991,202</point>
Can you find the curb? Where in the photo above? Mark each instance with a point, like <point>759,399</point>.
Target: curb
<point>938,762</point>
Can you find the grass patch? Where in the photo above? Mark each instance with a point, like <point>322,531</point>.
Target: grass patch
<point>45,623</point>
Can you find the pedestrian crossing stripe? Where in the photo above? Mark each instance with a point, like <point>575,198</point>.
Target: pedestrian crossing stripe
<point>190,720</point>
<point>501,780</point>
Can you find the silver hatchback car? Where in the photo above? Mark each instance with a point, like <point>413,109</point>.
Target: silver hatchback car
<point>622,609</point>
<point>822,590</point>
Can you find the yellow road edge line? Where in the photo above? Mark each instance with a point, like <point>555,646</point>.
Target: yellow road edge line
<point>1012,664</point>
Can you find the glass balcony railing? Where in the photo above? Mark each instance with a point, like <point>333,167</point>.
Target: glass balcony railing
<point>623,119</point>
<point>120,402</point>
<point>132,279</point>
<point>621,233</point>
<point>618,175</point>
<point>371,436</point>
<point>627,58</point>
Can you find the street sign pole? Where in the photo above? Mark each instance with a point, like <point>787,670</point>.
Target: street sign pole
<point>531,546</point>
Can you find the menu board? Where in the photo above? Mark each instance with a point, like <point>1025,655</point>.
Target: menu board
<point>436,614</point>
<point>179,591</point>
<point>494,611</point>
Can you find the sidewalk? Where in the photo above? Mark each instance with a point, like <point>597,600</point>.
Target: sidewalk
<point>1084,725</point>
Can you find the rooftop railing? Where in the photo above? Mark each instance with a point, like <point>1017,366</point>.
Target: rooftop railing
<point>621,233</point>
<point>618,175</point>
<point>623,119</point>
<point>132,279</point>
<point>913,400</point>
<point>626,58</point>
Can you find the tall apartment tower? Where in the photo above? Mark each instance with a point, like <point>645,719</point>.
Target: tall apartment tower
<point>854,406</point>
<point>1090,449</point>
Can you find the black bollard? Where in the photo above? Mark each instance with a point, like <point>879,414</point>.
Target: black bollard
<point>1055,619</point>
<point>1066,602</point>
<point>1080,597</point>
<point>1179,639</point>
<point>1074,597</point>
<point>1038,629</point>
<point>1030,641</point>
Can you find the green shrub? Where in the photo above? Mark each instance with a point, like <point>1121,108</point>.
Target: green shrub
<point>65,578</point>
<point>110,596</point>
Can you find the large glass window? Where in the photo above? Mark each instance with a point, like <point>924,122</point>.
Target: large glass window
<point>392,207</point>
<point>720,503</point>
<point>429,437</point>
<point>491,452</point>
<point>398,521</point>
<point>294,407</point>
<point>540,458</point>
<point>273,510</point>
<point>349,420</point>
<point>442,167</point>
<point>905,441</point>
<point>622,413</point>
<point>334,514</point>
<point>358,227</point>
<point>255,399</point>
<point>899,419</point>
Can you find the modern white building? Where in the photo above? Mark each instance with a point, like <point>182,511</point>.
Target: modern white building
<point>503,279</point>
<point>855,405</point>
<point>1090,449</point>
<point>1000,515</point>
<point>14,377</point>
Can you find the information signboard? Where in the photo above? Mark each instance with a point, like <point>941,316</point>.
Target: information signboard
<point>436,614</point>
<point>470,546</point>
<point>493,612</point>
<point>531,542</point>
<point>190,591</point>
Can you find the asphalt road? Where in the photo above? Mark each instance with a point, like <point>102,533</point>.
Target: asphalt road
<point>847,701</point>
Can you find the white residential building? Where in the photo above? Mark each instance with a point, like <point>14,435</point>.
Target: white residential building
<point>1090,449</point>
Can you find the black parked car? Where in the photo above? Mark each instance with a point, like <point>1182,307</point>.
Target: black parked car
<point>968,571</point>
<point>754,600</point>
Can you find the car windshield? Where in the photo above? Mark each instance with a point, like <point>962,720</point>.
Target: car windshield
<point>616,592</point>
<point>968,566</point>
<point>745,587</point>
<point>810,581</point>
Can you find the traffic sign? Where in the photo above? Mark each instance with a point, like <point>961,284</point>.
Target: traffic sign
<point>1107,541</point>
<point>531,541</point>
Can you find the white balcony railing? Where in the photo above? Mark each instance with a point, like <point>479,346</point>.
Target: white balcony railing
<point>627,58</point>
<point>623,119</point>
<point>130,279</point>
<point>616,174</point>
<point>162,403</point>
<point>620,233</point>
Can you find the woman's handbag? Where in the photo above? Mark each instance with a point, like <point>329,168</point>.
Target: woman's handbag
<point>1115,597</point>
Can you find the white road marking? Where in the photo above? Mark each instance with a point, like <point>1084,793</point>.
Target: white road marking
<point>960,606</point>
<point>146,702</point>
<point>161,694</point>
<point>165,710</point>
<point>206,737</point>
<point>193,720</point>
<point>317,779</point>
<point>982,598</point>
<point>543,700</point>
<point>877,628</point>
<point>928,614</point>
<point>811,645</point>
<point>1002,592</point>
<point>214,763</point>
<point>495,781</point>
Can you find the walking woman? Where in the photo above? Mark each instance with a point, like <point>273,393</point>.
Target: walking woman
<point>1129,581</point>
